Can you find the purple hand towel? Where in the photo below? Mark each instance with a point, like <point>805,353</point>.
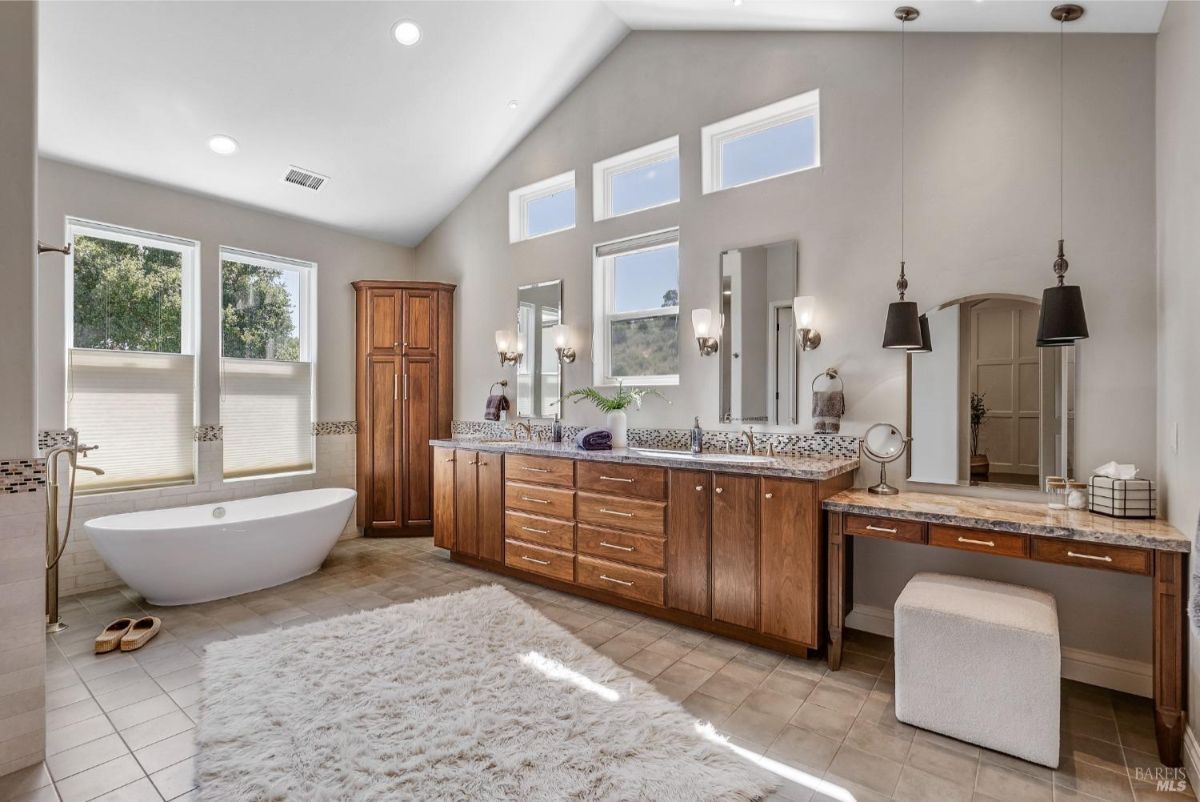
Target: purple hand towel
<point>495,405</point>
<point>594,439</point>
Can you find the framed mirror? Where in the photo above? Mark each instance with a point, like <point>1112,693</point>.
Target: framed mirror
<point>986,406</point>
<point>539,385</point>
<point>758,354</point>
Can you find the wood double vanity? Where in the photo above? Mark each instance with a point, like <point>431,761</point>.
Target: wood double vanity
<point>735,548</point>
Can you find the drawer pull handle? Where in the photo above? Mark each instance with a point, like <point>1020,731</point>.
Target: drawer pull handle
<point>699,487</point>
<point>448,459</point>
<point>617,512</point>
<point>534,500</point>
<point>973,542</point>
<point>615,479</point>
<point>614,546</point>
<point>1103,559</point>
<point>618,581</point>
<point>874,528</point>
<point>536,531</point>
<point>768,495</point>
<point>473,462</point>
<point>534,560</point>
<point>535,470</point>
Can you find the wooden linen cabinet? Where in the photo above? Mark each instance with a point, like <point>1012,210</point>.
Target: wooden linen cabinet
<point>404,396</point>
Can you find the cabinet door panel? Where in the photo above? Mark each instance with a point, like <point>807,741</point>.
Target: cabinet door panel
<point>790,555</point>
<point>417,390</point>
<point>735,549</point>
<point>490,507</point>
<point>384,336</point>
<point>443,498</point>
<point>687,541</point>
<point>384,443</point>
<point>420,323</point>
<point>466,494</point>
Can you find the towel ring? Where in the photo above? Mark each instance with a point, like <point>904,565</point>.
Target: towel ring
<point>832,375</point>
<point>503,383</point>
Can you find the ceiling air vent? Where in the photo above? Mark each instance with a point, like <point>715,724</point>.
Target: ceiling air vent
<point>304,178</point>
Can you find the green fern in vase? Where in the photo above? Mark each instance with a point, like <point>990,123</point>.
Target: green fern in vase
<point>624,399</point>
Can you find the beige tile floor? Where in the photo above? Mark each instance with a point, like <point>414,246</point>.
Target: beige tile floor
<point>121,726</point>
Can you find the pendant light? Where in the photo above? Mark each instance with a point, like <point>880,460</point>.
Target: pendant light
<point>1062,319</point>
<point>903,328</point>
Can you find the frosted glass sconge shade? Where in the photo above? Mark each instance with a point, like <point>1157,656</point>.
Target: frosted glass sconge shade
<point>507,347</point>
<point>504,340</point>
<point>804,312</point>
<point>708,330</point>
<point>702,322</point>
<point>560,335</point>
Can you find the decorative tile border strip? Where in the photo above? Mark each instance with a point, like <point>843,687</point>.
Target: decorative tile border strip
<point>328,427</point>
<point>22,475</point>
<point>208,433</point>
<point>837,445</point>
<point>49,438</point>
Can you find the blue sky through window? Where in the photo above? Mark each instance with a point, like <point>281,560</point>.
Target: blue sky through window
<point>551,213</point>
<point>774,151</point>
<point>642,279</point>
<point>650,185</point>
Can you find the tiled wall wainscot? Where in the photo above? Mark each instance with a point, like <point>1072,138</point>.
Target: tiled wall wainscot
<point>83,570</point>
<point>22,591</point>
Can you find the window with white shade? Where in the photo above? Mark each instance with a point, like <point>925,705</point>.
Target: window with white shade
<point>131,354</point>
<point>639,179</point>
<point>775,140</point>
<point>268,354</point>
<point>636,317</point>
<point>546,207</point>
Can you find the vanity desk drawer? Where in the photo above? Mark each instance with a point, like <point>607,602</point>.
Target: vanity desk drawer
<point>540,470</point>
<point>640,481</point>
<point>538,500</point>
<point>635,515</point>
<point>1005,544</point>
<point>1093,555</point>
<point>889,528</point>
<point>644,550</point>
<point>623,580</point>
<point>543,531</point>
<point>539,560</point>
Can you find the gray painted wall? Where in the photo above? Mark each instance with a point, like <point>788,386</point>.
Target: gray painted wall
<point>982,193</point>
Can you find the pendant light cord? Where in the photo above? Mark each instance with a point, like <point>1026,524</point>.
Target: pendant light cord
<point>1061,103</point>
<point>903,23</point>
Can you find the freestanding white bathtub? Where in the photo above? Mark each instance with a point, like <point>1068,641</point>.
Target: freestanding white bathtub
<point>196,554</point>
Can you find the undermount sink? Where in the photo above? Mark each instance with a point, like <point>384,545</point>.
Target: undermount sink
<point>744,459</point>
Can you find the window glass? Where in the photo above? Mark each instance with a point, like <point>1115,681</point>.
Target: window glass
<point>260,312</point>
<point>773,151</point>
<point>550,213</point>
<point>127,296</point>
<point>646,186</point>
<point>646,279</point>
<point>644,346</point>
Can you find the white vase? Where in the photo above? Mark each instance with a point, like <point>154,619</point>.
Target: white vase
<point>618,427</point>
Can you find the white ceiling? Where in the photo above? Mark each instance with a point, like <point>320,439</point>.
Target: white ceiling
<point>404,133</point>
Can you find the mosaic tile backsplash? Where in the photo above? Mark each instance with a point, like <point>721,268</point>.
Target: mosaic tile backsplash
<point>328,427</point>
<point>22,475</point>
<point>838,445</point>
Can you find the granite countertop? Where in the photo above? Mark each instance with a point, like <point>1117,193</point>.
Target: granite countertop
<point>1031,518</point>
<point>815,467</point>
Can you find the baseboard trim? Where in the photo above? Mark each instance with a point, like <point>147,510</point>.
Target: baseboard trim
<point>1119,674</point>
<point>1191,756</point>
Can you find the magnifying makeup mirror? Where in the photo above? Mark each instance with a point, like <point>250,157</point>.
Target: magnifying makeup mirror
<point>884,443</point>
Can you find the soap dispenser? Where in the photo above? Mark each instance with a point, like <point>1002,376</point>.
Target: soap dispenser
<point>697,437</point>
<point>557,436</point>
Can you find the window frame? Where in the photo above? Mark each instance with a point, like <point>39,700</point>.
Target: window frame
<point>520,198</point>
<point>603,295</point>
<point>307,336</point>
<point>715,135</point>
<point>604,171</point>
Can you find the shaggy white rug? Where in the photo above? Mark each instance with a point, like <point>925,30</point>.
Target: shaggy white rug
<point>472,696</point>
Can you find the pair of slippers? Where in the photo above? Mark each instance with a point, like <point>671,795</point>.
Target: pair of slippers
<point>127,634</point>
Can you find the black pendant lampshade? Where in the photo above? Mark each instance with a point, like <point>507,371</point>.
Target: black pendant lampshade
<point>926,346</point>
<point>1062,320</point>
<point>903,327</point>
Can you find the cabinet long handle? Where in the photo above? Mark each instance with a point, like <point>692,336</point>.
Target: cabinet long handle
<point>974,542</point>
<point>534,500</point>
<point>535,470</point>
<point>395,387</point>
<point>1104,559</point>
<point>532,560</point>
<point>405,386</point>
<point>617,512</point>
<point>617,581</point>
<point>874,528</point>
<point>536,531</point>
<point>615,479</point>
<point>614,546</point>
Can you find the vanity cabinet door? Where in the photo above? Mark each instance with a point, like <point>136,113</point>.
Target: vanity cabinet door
<point>383,321</point>
<point>383,501</point>
<point>735,549</point>
<point>443,498</point>
<point>466,500</point>
<point>419,322</point>
<point>489,506</point>
<point>687,541</point>
<point>790,552</point>
<point>418,387</point>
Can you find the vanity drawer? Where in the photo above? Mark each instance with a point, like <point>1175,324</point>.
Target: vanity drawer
<point>623,580</point>
<point>543,531</point>
<point>539,560</point>
<point>647,517</point>
<point>890,528</point>
<point>1092,555</point>
<point>539,500</point>
<point>640,481</point>
<point>542,470</point>
<point>626,547</point>
<point>1006,544</point>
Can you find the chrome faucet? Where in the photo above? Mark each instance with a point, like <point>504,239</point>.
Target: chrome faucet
<point>748,434</point>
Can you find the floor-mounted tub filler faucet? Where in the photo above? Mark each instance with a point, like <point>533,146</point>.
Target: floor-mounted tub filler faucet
<point>73,450</point>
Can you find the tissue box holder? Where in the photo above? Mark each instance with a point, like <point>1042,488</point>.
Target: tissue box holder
<point>1122,498</point>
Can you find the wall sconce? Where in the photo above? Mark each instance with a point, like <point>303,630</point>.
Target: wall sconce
<point>804,310</point>
<point>708,336</point>
<point>561,335</point>
<point>508,348</point>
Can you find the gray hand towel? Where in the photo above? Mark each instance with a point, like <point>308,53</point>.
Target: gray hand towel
<point>827,409</point>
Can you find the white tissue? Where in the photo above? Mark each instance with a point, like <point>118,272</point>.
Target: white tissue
<point>1116,470</point>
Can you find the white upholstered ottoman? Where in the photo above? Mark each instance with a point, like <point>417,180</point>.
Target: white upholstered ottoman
<point>979,661</point>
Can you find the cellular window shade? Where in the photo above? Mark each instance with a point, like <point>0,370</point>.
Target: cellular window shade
<point>266,415</point>
<point>638,243</point>
<point>140,409</point>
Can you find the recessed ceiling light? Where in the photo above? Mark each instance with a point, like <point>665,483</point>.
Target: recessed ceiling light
<point>512,104</point>
<point>406,32</point>
<point>737,2</point>
<point>224,145</point>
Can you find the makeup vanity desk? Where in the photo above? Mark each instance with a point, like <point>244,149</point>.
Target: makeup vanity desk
<point>1031,531</point>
